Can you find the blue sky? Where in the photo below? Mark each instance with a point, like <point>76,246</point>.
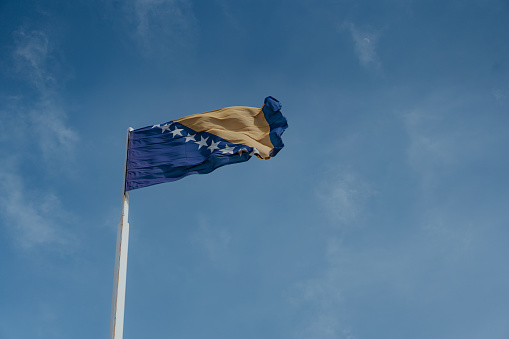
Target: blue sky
<point>385,216</point>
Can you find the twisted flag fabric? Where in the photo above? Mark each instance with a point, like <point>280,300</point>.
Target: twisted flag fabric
<point>200,143</point>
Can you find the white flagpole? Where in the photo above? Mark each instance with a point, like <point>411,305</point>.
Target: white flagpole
<point>119,280</point>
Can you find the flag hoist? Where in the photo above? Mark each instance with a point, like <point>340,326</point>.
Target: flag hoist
<point>195,144</point>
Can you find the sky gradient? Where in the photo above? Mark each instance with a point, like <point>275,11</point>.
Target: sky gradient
<point>385,216</point>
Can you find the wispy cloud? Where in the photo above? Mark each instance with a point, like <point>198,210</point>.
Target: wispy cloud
<point>46,118</point>
<point>451,233</point>
<point>440,141</point>
<point>404,270</point>
<point>343,195</point>
<point>444,140</point>
<point>365,43</point>
<point>213,240</point>
<point>30,56</point>
<point>57,140</point>
<point>227,12</point>
<point>34,218</point>
<point>35,138</point>
<point>161,26</point>
<point>322,298</point>
<point>500,95</point>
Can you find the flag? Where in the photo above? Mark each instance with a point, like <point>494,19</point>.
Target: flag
<point>200,143</point>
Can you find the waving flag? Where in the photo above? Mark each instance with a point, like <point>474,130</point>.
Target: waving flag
<point>200,143</point>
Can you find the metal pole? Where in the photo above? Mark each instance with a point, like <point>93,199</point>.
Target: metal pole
<point>119,280</point>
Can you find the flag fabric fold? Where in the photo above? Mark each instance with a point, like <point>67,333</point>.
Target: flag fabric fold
<point>200,143</point>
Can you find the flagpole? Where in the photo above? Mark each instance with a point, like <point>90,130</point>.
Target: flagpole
<point>119,280</point>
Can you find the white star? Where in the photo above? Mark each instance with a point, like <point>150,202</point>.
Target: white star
<point>202,142</point>
<point>156,126</point>
<point>190,137</point>
<point>227,149</point>
<point>242,150</point>
<point>165,127</point>
<point>176,131</point>
<point>254,151</point>
<point>213,146</point>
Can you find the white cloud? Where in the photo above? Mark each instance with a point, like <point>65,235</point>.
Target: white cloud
<point>322,298</point>
<point>429,151</point>
<point>441,140</point>
<point>353,273</point>
<point>343,195</point>
<point>45,118</point>
<point>444,140</point>
<point>227,12</point>
<point>500,95</point>
<point>56,139</point>
<point>214,240</point>
<point>35,138</point>
<point>365,45</point>
<point>452,233</point>
<point>161,26</point>
<point>30,55</point>
<point>34,218</point>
